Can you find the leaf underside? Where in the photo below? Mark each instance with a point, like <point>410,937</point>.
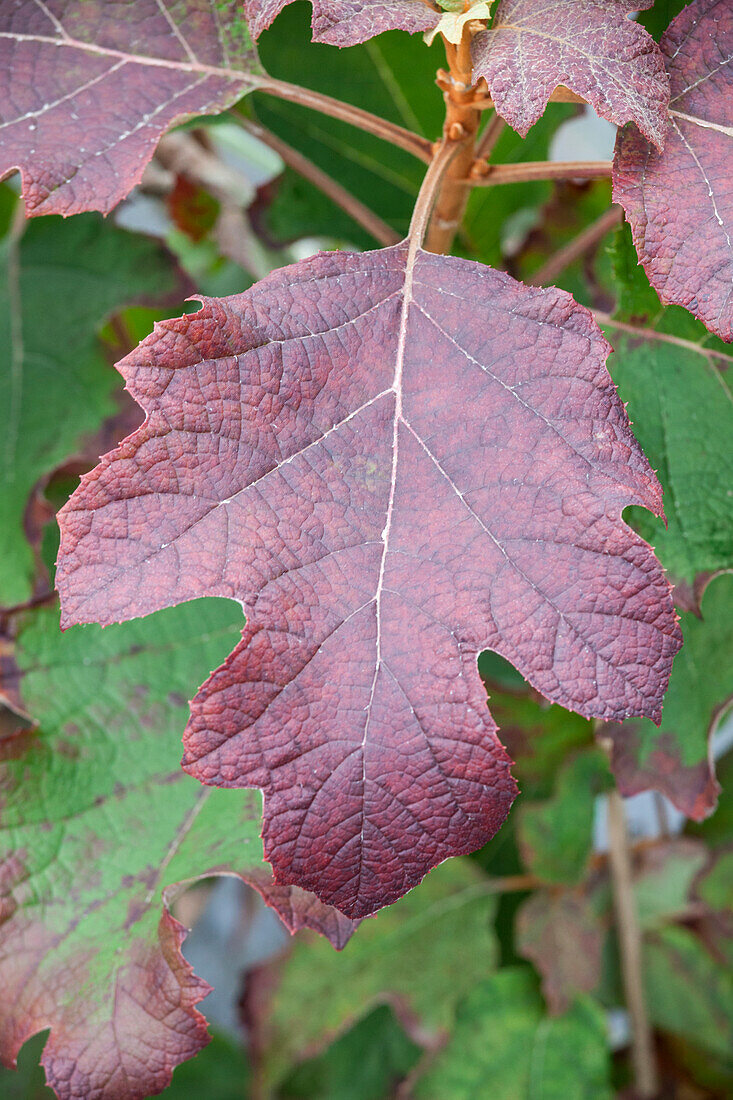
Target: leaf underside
<point>86,90</point>
<point>680,202</point>
<point>393,460</point>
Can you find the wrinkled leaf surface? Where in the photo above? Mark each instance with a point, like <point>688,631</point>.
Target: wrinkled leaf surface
<point>394,460</point>
<point>680,202</point>
<point>591,46</point>
<point>86,90</point>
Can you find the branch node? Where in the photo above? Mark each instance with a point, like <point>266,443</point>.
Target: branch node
<point>456,131</point>
<point>479,170</point>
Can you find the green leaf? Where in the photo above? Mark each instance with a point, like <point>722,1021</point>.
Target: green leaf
<point>59,281</point>
<point>421,955</point>
<point>392,76</point>
<point>28,1081</point>
<point>664,878</point>
<point>503,1045</point>
<point>219,1072</point>
<point>364,1064</point>
<point>688,993</point>
<point>538,738</point>
<point>676,380</point>
<point>556,836</point>
<point>660,15</point>
<point>715,887</point>
<point>674,758</point>
<point>98,819</point>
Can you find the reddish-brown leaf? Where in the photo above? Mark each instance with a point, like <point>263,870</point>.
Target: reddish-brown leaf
<point>680,202</point>
<point>86,90</point>
<point>590,46</point>
<point>394,460</point>
<point>562,932</point>
<point>347,22</point>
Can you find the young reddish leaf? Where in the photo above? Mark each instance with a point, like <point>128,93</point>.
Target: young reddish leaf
<point>591,46</point>
<point>680,202</point>
<point>394,460</point>
<point>563,931</point>
<point>96,830</point>
<point>348,22</point>
<point>86,90</point>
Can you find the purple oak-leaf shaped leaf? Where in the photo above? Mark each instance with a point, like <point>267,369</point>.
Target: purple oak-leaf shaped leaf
<point>348,22</point>
<point>680,202</point>
<point>393,460</point>
<point>86,90</point>
<point>590,46</point>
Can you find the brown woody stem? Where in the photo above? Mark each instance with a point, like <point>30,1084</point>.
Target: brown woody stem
<point>629,940</point>
<point>544,170</point>
<point>576,248</point>
<point>462,118</point>
<point>361,214</point>
<point>419,146</point>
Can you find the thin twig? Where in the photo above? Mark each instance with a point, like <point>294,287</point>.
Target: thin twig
<point>361,214</point>
<point>576,248</point>
<point>544,170</point>
<point>494,129</point>
<point>629,940</point>
<point>419,146</point>
<point>642,332</point>
<point>43,599</point>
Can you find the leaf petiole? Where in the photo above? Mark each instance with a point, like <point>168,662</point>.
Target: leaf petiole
<point>413,143</point>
